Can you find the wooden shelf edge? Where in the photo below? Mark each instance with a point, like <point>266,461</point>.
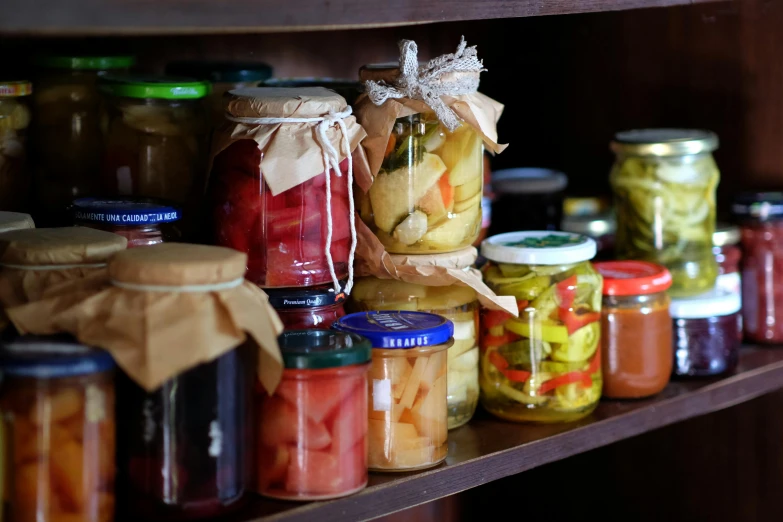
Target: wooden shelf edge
<point>761,372</point>
<point>120,17</point>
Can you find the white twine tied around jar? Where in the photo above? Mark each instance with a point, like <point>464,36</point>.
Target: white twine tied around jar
<point>331,159</point>
<point>427,83</point>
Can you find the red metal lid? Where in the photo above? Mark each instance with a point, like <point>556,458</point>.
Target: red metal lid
<point>633,277</point>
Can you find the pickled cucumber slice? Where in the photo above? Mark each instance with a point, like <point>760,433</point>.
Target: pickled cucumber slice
<point>463,155</point>
<point>462,206</point>
<point>455,231</point>
<point>467,190</point>
<point>581,345</point>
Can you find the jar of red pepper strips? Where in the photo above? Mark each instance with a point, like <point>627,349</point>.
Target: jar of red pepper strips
<point>308,307</point>
<point>142,221</point>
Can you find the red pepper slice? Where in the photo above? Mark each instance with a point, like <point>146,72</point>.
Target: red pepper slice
<point>573,320</point>
<point>522,304</point>
<point>497,360</point>
<point>562,380</point>
<point>566,292</point>
<point>493,318</point>
<point>488,340</point>
<point>516,375</point>
<point>595,364</point>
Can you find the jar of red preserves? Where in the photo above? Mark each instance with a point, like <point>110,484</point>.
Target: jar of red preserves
<point>634,301</point>
<point>760,215</point>
<point>707,333</point>
<point>269,193</point>
<point>307,308</point>
<point>142,221</point>
<point>725,247</point>
<point>313,429</point>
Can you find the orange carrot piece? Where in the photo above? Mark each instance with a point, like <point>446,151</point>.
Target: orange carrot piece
<point>390,146</point>
<point>446,190</point>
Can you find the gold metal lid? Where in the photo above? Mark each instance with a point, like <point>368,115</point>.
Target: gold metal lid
<point>664,142</point>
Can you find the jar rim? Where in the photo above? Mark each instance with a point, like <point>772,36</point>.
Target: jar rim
<point>398,329</point>
<point>664,142</point>
<point>538,247</point>
<point>716,302</point>
<point>128,211</point>
<point>316,349</point>
<point>624,278</point>
<point>47,357</point>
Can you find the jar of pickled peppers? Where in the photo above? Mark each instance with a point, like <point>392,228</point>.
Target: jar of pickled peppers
<point>544,366</point>
<point>68,131</point>
<point>142,221</point>
<point>407,387</point>
<point>14,120</point>
<point>459,304</point>
<point>301,308</point>
<point>313,429</point>
<point>426,198</point>
<point>57,403</point>
<point>664,183</point>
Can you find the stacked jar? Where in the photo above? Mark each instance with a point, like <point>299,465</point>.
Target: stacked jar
<point>142,221</point>
<point>68,131</point>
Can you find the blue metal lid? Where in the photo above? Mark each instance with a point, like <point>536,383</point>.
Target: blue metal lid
<point>127,212</point>
<point>397,329</point>
<point>47,357</point>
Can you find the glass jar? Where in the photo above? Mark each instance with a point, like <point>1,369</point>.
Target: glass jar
<point>459,304</point>
<point>601,227</point>
<point>307,308</point>
<point>57,402</point>
<point>544,366</point>
<point>186,446</point>
<point>142,221</point>
<point>707,333</point>
<point>157,137</point>
<point>407,389</point>
<point>761,219</point>
<point>224,76</point>
<point>68,131</point>
<point>527,199</point>
<point>15,221</point>
<point>426,198</point>
<point>725,248</point>
<point>313,439</point>
<point>348,89</point>
<point>14,120</point>
<point>284,236</point>
<point>664,183</point>
<point>635,300</point>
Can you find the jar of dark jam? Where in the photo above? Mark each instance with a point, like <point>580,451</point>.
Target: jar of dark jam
<point>142,221</point>
<point>707,331</point>
<point>760,215</point>
<point>527,199</point>
<point>300,308</point>
<point>725,247</point>
<point>185,447</point>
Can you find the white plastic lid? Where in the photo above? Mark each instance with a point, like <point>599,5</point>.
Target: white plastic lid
<point>714,303</point>
<point>542,247</point>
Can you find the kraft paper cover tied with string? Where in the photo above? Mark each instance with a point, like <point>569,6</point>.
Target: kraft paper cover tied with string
<point>38,262</point>
<point>166,309</point>
<point>300,133</point>
<point>454,268</point>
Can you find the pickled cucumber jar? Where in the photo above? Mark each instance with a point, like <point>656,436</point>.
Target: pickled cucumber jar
<point>407,428</point>
<point>426,197</point>
<point>67,131</point>
<point>14,120</point>
<point>544,366</point>
<point>156,138</point>
<point>664,183</point>
<point>459,304</point>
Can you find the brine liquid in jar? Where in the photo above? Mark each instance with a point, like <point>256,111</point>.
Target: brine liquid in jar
<point>185,447</point>
<point>313,429</point>
<point>407,387</point>
<point>142,221</point>
<point>664,183</point>
<point>58,430</point>
<point>302,308</point>
<point>544,366</point>
<point>426,198</point>
<point>459,304</point>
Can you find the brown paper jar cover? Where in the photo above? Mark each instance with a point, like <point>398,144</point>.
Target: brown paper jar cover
<point>178,306</point>
<point>36,261</point>
<point>15,221</point>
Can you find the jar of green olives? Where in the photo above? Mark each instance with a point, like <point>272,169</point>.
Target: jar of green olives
<point>664,183</point>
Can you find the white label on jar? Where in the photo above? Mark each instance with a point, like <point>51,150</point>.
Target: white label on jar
<point>216,436</point>
<point>381,395</point>
<point>149,421</point>
<point>94,404</point>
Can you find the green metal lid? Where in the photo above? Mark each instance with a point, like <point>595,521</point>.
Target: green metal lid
<point>318,349</point>
<point>160,87</point>
<point>94,63</point>
<point>222,72</point>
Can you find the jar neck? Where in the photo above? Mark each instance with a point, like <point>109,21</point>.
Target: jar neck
<point>657,300</point>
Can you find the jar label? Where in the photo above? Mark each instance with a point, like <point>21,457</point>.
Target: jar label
<point>548,241</point>
<point>381,395</point>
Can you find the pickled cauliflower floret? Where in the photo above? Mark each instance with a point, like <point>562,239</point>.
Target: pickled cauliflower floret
<point>412,228</point>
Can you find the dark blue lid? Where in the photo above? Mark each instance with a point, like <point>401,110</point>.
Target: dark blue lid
<point>48,357</point>
<point>125,211</point>
<point>761,206</point>
<point>398,329</point>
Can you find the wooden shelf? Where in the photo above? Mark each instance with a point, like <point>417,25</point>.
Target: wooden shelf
<point>112,17</point>
<point>488,449</point>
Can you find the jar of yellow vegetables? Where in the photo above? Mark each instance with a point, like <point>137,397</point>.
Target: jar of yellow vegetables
<point>544,366</point>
